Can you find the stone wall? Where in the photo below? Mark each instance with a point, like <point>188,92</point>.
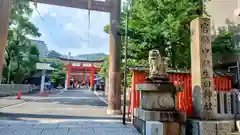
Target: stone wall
<point>13,89</point>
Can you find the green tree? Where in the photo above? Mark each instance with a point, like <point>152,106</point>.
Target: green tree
<point>162,25</point>
<point>104,67</point>
<point>21,54</point>
<point>58,75</point>
<point>227,40</point>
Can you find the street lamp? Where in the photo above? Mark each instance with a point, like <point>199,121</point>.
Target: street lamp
<point>126,5</point>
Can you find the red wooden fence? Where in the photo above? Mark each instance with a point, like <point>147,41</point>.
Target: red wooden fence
<point>184,98</point>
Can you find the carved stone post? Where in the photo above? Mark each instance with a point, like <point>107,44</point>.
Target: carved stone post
<point>5,8</point>
<point>204,96</point>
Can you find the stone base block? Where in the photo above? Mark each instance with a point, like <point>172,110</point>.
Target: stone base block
<point>140,125</point>
<point>163,116</point>
<point>161,101</point>
<point>224,128</point>
<point>168,128</point>
<point>160,87</point>
<point>198,127</point>
<point>154,128</point>
<point>114,112</point>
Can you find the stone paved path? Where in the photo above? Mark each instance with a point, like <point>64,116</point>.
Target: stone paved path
<point>71,104</point>
<point>66,113</point>
<point>88,127</point>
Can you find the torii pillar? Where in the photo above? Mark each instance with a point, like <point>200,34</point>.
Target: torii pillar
<point>5,9</point>
<point>114,92</point>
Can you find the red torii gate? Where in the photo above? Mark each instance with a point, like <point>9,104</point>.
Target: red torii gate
<point>70,68</point>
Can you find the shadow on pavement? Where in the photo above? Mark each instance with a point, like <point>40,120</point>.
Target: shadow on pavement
<point>18,115</point>
<point>76,101</point>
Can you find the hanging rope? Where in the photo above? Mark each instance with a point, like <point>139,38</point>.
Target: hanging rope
<point>35,2</point>
<point>89,18</point>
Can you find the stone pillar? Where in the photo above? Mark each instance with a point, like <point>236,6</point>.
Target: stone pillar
<point>42,81</point>
<point>68,76</point>
<point>92,78</point>
<point>114,92</point>
<point>5,8</point>
<point>66,80</point>
<point>204,96</point>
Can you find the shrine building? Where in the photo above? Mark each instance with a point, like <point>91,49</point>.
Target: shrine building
<point>81,70</point>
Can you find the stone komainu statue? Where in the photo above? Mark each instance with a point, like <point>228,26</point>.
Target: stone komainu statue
<point>156,64</point>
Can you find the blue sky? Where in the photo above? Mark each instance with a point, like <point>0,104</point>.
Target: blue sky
<point>66,29</point>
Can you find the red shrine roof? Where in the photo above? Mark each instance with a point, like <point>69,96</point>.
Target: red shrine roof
<point>78,60</point>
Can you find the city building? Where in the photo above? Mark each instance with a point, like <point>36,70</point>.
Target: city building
<point>222,10</point>
<point>42,47</point>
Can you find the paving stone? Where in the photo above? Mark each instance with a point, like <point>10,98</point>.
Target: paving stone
<point>35,132</point>
<point>61,131</point>
<point>46,126</point>
<point>6,131</point>
<point>23,126</point>
<point>21,131</point>
<point>1,123</point>
<point>68,123</point>
<point>80,130</point>
<point>97,128</point>
<point>93,125</point>
<point>3,127</point>
<point>105,125</point>
<point>69,126</point>
<point>48,132</point>
<point>54,132</point>
<point>103,129</point>
<point>130,130</point>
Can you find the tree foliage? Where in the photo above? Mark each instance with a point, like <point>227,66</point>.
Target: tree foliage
<point>58,75</point>
<point>162,25</point>
<point>165,25</point>
<point>21,55</point>
<point>227,39</point>
<point>104,67</point>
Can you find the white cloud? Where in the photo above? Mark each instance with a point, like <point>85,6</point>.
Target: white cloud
<point>42,9</point>
<point>74,23</point>
<point>69,27</point>
<point>53,14</point>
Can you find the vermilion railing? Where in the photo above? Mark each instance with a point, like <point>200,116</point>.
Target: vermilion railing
<point>184,98</point>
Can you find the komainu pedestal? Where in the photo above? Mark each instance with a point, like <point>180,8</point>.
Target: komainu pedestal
<point>157,98</point>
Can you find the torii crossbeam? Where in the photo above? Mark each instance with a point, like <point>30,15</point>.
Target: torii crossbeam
<point>111,6</point>
<point>81,4</point>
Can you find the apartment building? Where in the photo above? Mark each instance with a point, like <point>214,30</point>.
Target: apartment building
<point>222,10</point>
<point>42,47</point>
